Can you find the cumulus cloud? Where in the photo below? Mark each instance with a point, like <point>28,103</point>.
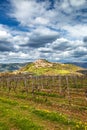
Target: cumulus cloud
<point>55,30</point>
<point>85,39</point>
<point>40,37</point>
<point>77,2</point>
<point>63,44</point>
<point>77,31</point>
<point>33,45</point>
<point>79,52</point>
<point>31,13</point>
<point>5,39</point>
<point>5,46</point>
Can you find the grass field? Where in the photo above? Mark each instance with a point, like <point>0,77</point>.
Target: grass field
<point>42,111</point>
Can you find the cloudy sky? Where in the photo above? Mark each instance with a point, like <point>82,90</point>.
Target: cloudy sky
<point>55,30</point>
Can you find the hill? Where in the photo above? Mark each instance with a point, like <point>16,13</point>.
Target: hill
<point>11,66</point>
<point>81,64</point>
<point>44,67</point>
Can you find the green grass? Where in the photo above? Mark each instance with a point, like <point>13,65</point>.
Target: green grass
<point>15,117</point>
<point>34,112</point>
<point>24,123</point>
<point>8,101</point>
<point>3,126</point>
<point>60,118</point>
<point>54,116</point>
<point>46,71</point>
<point>49,94</point>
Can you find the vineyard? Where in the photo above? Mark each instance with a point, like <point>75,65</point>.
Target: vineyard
<point>63,94</point>
<point>63,85</point>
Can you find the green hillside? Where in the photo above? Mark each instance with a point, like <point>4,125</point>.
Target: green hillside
<point>43,67</point>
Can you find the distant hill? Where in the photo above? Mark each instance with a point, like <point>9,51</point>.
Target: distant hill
<point>44,67</point>
<point>81,64</point>
<point>11,66</point>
